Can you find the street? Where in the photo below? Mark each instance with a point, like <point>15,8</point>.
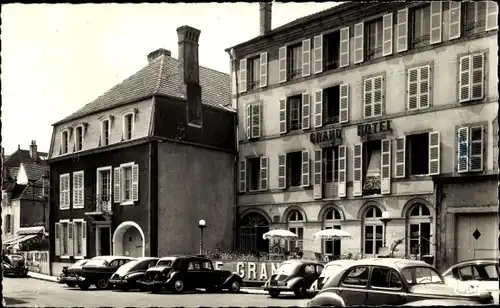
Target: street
<point>29,292</point>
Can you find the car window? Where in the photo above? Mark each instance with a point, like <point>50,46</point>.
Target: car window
<point>356,276</point>
<point>207,266</point>
<point>114,263</point>
<point>466,273</point>
<point>194,266</point>
<point>319,269</point>
<point>484,272</point>
<point>309,269</point>
<point>383,277</point>
<point>152,263</point>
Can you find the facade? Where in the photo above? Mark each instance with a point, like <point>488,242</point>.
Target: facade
<point>24,195</point>
<point>366,108</point>
<point>134,171</point>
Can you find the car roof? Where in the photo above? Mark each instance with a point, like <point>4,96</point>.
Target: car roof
<point>339,262</point>
<point>111,258</point>
<point>472,261</point>
<point>390,262</point>
<point>147,258</point>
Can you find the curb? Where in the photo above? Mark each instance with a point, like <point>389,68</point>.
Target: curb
<point>42,277</point>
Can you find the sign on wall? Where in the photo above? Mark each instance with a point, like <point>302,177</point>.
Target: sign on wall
<point>37,261</point>
<point>250,271</point>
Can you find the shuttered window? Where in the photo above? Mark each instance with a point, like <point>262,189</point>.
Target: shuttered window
<point>471,77</point>
<point>418,91</point>
<point>254,174</point>
<point>253,120</point>
<point>64,191</point>
<point>263,69</point>
<point>126,183</point>
<point>78,189</point>
<point>470,149</point>
<point>373,96</point>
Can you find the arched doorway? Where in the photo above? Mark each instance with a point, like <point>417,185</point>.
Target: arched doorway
<point>296,225</point>
<point>419,229</point>
<point>128,240</point>
<point>373,230</point>
<point>252,226</point>
<point>332,220</point>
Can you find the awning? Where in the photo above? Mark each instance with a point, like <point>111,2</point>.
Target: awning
<point>30,230</point>
<point>19,239</point>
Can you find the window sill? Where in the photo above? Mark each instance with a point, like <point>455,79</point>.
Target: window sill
<point>64,208</point>
<point>64,257</point>
<point>78,207</point>
<point>129,202</point>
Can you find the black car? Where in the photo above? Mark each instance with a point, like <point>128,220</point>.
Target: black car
<point>15,265</point>
<point>128,275</point>
<point>98,270</point>
<point>69,273</point>
<point>179,273</point>
<point>294,275</point>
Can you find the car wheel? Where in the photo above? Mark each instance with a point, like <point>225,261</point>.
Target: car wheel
<point>235,286</point>
<point>274,293</point>
<point>299,290</point>
<point>84,285</point>
<point>102,283</point>
<point>71,285</point>
<point>178,286</point>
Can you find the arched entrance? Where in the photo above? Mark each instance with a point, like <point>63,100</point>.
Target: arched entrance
<point>252,226</point>
<point>128,240</point>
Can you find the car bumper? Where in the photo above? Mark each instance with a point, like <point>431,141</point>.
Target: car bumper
<point>277,288</point>
<point>118,282</point>
<point>72,279</point>
<point>16,271</point>
<point>152,283</point>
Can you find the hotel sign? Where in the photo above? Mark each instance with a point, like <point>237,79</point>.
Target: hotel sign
<point>326,136</point>
<point>374,128</point>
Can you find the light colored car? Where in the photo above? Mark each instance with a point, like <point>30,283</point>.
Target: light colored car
<point>331,268</point>
<point>475,276</point>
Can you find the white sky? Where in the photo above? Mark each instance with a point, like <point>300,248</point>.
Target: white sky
<point>58,57</point>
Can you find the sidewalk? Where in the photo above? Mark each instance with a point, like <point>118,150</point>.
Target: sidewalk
<point>39,276</point>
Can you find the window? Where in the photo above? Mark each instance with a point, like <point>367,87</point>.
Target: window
<point>257,173</point>
<point>331,163</point>
<point>470,149</point>
<point>207,266</point>
<point>126,184</point>
<point>78,138</point>
<point>422,151</point>
<point>331,103</point>
<point>419,228</point>
<point>471,77</point>
<point>421,275</point>
<point>80,238</point>
<point>105,132</point>
<point>128,126</point>
<point>65,238</point>
<point>64,192</point>
<point>8,223</point>
<point>253,118</point>
<point>474,17</point>
<point>383,277</point>
<point>372,164</point>
<point>294,112</point>
<point>332,220</point>
<point>78,189</point>
<point>374,40</point>
<point>482,272</point>
<point>254,72</point>
<point>103,190</point>
<point>294,56</point>
<point>194,266</point>
<point>373,235</point>
<point>418,154</point>
<point>418,90</point>
<point>373,96</point>
<point>420,34</point>
<point>295,225</point>
<point>294,169</point>
<point>357,276</point>
<point>64,141</point>
<point>331,50</point>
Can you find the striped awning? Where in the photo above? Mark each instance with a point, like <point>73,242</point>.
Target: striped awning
<point>19,239</point>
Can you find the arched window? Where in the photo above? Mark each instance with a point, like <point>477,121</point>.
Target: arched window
<point>296,225</point>
<point>252,227</point>
<point>419,229</point>
<point>374,231</point>
<point>331,220</point>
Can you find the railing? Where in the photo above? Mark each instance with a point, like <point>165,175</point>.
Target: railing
<point>419,41</point>
<point>473,27</point>
<point>98,204</point>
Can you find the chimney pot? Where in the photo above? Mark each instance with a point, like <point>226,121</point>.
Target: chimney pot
<point>188,54</point>
<point>33,151</point>
<point>265,17</point>
<point>158,53</point>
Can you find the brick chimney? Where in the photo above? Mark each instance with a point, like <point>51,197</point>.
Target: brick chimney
<point>189,72</point>
<point>33,151</point>
<point>265,17</point>
<point>158,53</point>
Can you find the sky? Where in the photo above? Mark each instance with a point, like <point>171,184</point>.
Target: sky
<point>58,57</point>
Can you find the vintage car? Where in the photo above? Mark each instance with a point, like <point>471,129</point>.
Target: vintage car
<point>293,275</point>
<point>389,281</point>
<point>179,273</point>
<point>98,270</point>
<point>128,275</point>
<point>69,273</point>
<point>331,268</point>
<point>14,264</point>
<point>479,274</point>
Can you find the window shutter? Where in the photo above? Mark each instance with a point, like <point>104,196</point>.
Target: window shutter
<point>306,113</point>
<point>477,76</point>
<point>368,92</point>
<point>318,108</point>
<point>75,239</point>
<point>318,174</point>
<point>434,153</point>
<point>282,64</point>
<point>135,182</point>
<point>358,42</point>
<point>400,158</point>
<point>454,23</point>
<point>256,115</point>
<point>264,173</point>
<point>385,183</point>
<point>318,54</point>
<point>243,75</point>
<point>306,57</point>
<point>84,238</point>
<point>412,92</point>
<point>491,15</point>
<point>378,95</point>
<point>263,69</point>
<point>476,149</point>
<point>464,79</point>
<point>358,170</point>
<point>282,171</point>
<point>344,47</point>
<point>387,34</point>
<point>463,149</point>
<point>243,176</point>
<point>344,103</point>
<point>249,121</point>
<point>57,240</point>
<point>61,192</point>
<point>70,236</point>
<point>12,229</point>
<point>283,116</point>
<point>342,184</point>
<point>68,192</point>
<point>402,31</point>
<point>306,174</point>
<point>436,22</point>
<point>424,87</point>
<point>116,183</point>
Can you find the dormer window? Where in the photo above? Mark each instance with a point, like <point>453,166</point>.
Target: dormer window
<point>78,138</point>
<point>64,141</point>
<point>128,126</point>
<point>105,128</point>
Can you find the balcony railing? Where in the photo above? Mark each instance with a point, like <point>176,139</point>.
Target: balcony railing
<point>98,204</point>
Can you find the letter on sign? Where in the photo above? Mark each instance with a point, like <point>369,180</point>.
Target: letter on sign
<point>251,271</point>
<point>274,268</point>
<point>219,265</point>
<point>240,269</point>
<point>263,272</point>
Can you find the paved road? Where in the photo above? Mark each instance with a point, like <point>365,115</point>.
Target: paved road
<point>32,292</point>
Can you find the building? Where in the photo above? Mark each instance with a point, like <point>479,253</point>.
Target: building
<point>365,108</point>
<point>24,196</point>
<point>134,171</point>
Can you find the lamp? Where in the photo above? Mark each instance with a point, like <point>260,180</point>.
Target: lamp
<point>202,225</point>
<point>386,217</point>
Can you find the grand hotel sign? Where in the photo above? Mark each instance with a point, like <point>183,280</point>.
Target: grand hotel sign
<point>329,136</point>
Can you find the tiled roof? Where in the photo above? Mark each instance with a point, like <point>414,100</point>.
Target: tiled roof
<point>20,156</point>
<point>161,77</point>
<point>35,171</point>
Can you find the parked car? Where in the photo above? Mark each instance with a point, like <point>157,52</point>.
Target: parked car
<point>389,281</point>
<point>98,270</point>
<point>479,274</point>
<point>128,275</point>
<point>69,273</point>
<point>331,268</point>
<point>179,273</point>
<point>294,275</point>
<point>15,265</point>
